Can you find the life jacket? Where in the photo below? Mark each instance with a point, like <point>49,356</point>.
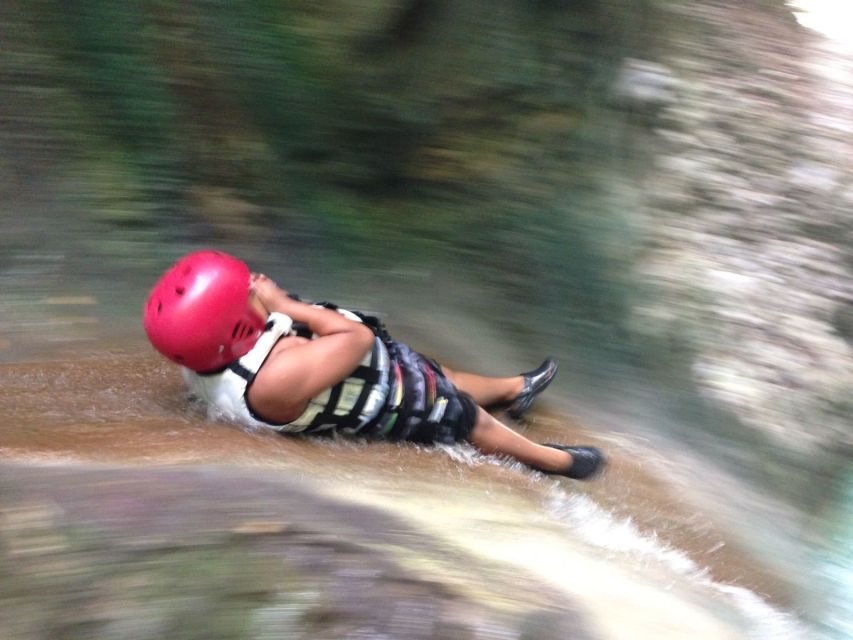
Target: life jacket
<point>350,405</point>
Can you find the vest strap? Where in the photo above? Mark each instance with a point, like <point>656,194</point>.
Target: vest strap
<point>368,374</point>
<point>242,371</point>
<point>368,384</point>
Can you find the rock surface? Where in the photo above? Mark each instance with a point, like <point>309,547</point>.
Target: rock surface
<point>747,254</point>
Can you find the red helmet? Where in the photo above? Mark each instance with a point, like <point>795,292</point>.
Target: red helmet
<point>198,313</point>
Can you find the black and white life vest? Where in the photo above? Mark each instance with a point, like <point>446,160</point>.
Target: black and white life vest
<point>349,405</point>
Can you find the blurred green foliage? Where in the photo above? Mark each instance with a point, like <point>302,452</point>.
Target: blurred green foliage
<point>470,133</point>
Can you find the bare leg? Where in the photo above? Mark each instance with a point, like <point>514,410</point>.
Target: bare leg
<point>486,391</point>
<point>492,437</point>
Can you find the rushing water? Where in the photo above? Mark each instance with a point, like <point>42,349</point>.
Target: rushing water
<point>635,554</point>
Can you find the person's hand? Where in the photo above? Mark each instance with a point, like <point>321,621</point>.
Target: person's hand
<point>268,292</point>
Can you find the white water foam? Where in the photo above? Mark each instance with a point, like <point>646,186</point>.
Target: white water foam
<point>618,535</point>
<point>601,529</point>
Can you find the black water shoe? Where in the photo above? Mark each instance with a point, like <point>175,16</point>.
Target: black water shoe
<point>535,383</point>
<point>587,462</point>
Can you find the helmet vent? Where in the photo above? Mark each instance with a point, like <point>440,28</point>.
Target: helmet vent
<point>180,290</point>
<point>159,306</point>
<point>241,330</point>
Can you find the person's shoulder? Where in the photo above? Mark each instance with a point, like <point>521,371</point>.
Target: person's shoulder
<point>274,391</point>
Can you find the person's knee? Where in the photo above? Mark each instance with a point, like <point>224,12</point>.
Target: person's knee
<point>450,374</point>
<point>484,423</point>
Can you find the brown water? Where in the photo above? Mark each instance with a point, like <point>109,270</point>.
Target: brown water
<point>634,543</point>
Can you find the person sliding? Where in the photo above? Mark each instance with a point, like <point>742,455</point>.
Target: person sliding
<point>262,358</point>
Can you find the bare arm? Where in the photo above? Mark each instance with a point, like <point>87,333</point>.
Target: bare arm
<point>300,369</point>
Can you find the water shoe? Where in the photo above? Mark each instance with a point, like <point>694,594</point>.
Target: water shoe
<point>535,382</point>
<point>587,462</point>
